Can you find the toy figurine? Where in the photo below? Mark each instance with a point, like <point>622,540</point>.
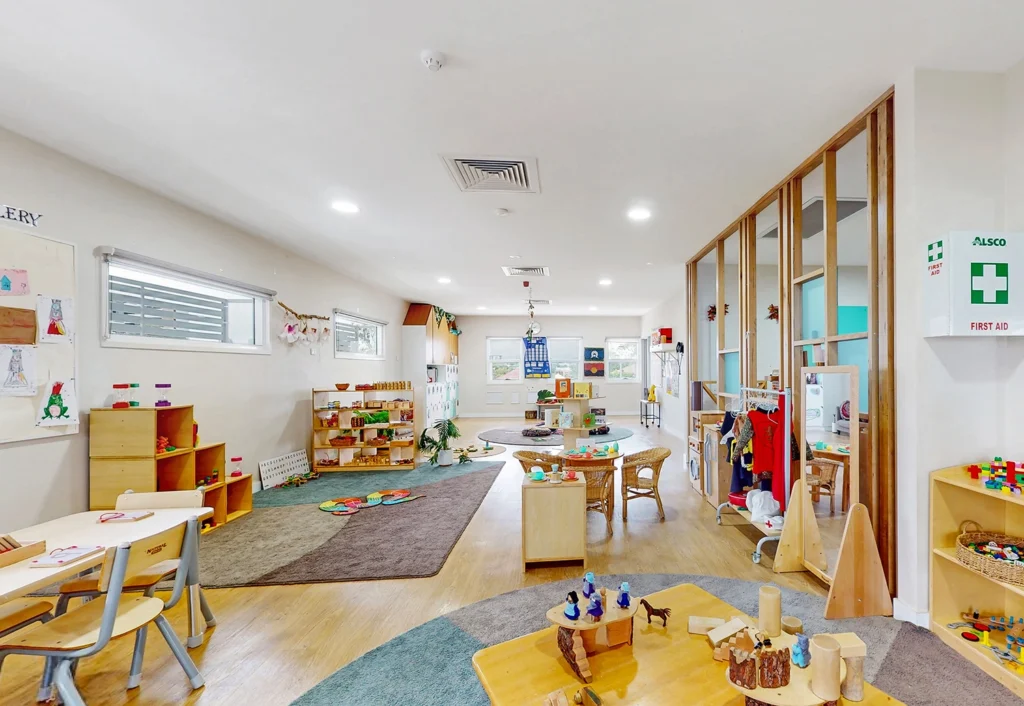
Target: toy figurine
<point>802,651</point>
<point>662,613</point>
<point>595,610</point>
<point>623,601</point>
<point>572,608</point>
<point>588,584</point>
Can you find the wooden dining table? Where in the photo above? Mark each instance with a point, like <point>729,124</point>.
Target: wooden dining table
<point>84,529</point>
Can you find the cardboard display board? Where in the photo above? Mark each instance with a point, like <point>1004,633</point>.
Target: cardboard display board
<point>971,284</point>
<point>38,370</point>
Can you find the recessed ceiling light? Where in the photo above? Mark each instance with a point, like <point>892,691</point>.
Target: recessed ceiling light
<point>639,213</point>
<point>593,308</point>
<point>345,207</point>
<point>444,280</point>
<point>514,257</point>
<point>650,263</point>
<point>604,282</point>
<point>481,308</point>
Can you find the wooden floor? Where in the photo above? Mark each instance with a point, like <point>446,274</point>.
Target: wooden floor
<point>273,643</point>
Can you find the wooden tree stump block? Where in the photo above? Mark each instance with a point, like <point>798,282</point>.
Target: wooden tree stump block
<point>571,645</point>
<point>853,685</point>
<point>773,668</point>
<point>743,669</point>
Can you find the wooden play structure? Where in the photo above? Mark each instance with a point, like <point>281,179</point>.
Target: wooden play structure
<point>582,637</point>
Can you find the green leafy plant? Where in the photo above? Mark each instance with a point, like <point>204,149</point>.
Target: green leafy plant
<point>545,395</point>
<point>463,458</point>
<point>444,430</point>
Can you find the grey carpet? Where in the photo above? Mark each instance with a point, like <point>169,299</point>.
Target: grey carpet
<point>431,664</point>
<point>515,437</point>
<point>410,540</point>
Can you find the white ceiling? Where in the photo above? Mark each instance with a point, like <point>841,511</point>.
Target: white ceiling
<point>262,112</point>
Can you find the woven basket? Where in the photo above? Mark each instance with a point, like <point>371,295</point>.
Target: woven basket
<point>999,570</point>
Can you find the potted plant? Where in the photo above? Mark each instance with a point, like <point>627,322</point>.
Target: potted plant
<point>545,395</point>
<point>440,447</point>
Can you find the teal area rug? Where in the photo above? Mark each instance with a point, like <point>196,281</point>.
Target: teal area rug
<point>431,665</point>
<point>341,484</point>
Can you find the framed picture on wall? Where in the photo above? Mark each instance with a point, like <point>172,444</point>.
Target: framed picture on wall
<point>593,355</point>
<point>592,369</point>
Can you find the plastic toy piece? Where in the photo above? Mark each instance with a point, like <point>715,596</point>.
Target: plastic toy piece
<point>802,651</point>
<point>161,444</point>
<point>350,506</point>
<point>662,613</point>
<point>970,636</point>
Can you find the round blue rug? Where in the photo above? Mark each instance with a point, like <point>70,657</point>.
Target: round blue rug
<point>431,665</point>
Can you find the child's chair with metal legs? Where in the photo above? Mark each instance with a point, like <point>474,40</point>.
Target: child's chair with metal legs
<point>86,630</point>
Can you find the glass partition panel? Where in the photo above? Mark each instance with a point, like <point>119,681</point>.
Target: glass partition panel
<point>707,331</point>
<point>852,236</point>
<point>812,223</point>
<point>766,309</point>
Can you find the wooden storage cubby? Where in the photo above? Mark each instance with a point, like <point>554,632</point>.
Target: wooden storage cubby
<point>122,450</point>
<point>955,588</point>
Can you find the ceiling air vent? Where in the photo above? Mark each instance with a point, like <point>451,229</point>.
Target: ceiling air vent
<point>526,271</point>
<point>512,175</point>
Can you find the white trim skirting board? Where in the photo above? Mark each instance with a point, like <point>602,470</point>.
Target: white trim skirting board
<point>512,414</point>
<point>902,611</point>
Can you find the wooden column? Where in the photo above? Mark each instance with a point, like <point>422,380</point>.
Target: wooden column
<point>796,268</point>
<point>720,318</point>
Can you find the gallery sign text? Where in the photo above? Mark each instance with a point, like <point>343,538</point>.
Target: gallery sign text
<point>19,215</point>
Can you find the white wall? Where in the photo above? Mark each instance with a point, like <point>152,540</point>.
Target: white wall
<point>473,385</point>
<point>954,396</point>
<point>257,404</point>
<point>671,313</point>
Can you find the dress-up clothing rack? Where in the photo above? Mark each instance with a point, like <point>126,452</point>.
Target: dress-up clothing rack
<point>751,398</point>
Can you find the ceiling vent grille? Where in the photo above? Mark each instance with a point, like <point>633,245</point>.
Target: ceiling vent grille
<point>538,302</point>
<point>512,175</point>
<point>532,271</point>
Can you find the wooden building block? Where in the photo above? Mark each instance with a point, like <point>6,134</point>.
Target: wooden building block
<point>853,685</point>
<point>773,668</point>
<point>769,613</point>
<point>571,645</point>
<point>723,632</point>
<point>620,633</point>
<point>849,644</point>
<point>556,698</point>
<point>791,625</point>
<point>696,625</point>
<point>743,669</point>
<point>825,662</point>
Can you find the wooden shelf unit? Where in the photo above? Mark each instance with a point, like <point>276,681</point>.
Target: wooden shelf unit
<point>400,419</point>
<point>955,588</point>
<point>123,456</point>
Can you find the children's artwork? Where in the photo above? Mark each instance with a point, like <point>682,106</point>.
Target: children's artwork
<point>17,326</point>
<point>593,370</point>
<point>56,319</point>
<point>14,283</point>
<point>535,358</point>
<point>17,371</point>
<point>59,406</point>
<point>589,420</point>
<point>565,420</point>
<point>591,355</point>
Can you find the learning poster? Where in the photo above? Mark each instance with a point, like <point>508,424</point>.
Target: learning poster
<point>536,357</point>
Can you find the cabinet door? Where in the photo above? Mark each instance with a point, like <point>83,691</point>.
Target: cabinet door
<point>441,337</point>
<point>429,328</point>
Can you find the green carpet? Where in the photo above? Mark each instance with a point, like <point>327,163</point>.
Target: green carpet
<point>342,484</point>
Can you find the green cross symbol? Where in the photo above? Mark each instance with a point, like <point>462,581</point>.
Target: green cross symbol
<point>990,283</point>
<point>935,251</point>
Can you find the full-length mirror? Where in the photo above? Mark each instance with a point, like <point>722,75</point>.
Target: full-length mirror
<point>829,438</point>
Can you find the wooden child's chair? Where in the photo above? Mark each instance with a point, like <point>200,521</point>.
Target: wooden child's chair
<point>84,631</point>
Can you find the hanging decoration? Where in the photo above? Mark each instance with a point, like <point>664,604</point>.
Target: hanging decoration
<point>713,312</point>
<point>773,312</point>
<point>308,329</point>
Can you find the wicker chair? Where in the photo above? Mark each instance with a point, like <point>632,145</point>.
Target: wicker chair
<point>823,482</point>
<point>529,459</point>
<point>600,489</point>
<point>636,486</point>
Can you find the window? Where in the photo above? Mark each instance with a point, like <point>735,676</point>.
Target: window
<point>623,359</point>
<point>356,337</point>
<point>149,304</point>
<point>504,360</point>
<point>565,356</point>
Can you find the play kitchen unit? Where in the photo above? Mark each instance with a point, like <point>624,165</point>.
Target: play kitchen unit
<point>696,464</point>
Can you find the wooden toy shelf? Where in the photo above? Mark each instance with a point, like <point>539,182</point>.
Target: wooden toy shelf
<point>955,588</point>
<point>123,456</point>
<point>330,421</point>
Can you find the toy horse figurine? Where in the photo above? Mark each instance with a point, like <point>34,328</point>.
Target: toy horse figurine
<point>662,613</point>
<point>595,610</point>
<point>801,651</point>
<point>572,608</point>
<point>623,600</point>
<point>588,584</point>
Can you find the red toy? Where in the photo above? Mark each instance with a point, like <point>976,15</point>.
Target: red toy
<point>161,444</point>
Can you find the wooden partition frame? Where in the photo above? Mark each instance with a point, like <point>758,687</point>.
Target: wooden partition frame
<point>878,480</point>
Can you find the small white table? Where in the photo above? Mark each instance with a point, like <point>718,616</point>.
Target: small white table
<point>83,529</point>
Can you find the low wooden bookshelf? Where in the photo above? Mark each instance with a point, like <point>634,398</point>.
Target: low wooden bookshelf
<point>956,588</point>
<point>333,417</point>
<point>123,456</point>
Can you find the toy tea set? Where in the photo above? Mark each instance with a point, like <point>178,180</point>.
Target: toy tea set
<point>582,452</point>
<point>554,477</point>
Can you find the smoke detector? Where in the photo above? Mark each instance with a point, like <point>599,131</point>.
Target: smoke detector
<point>433,60</point>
